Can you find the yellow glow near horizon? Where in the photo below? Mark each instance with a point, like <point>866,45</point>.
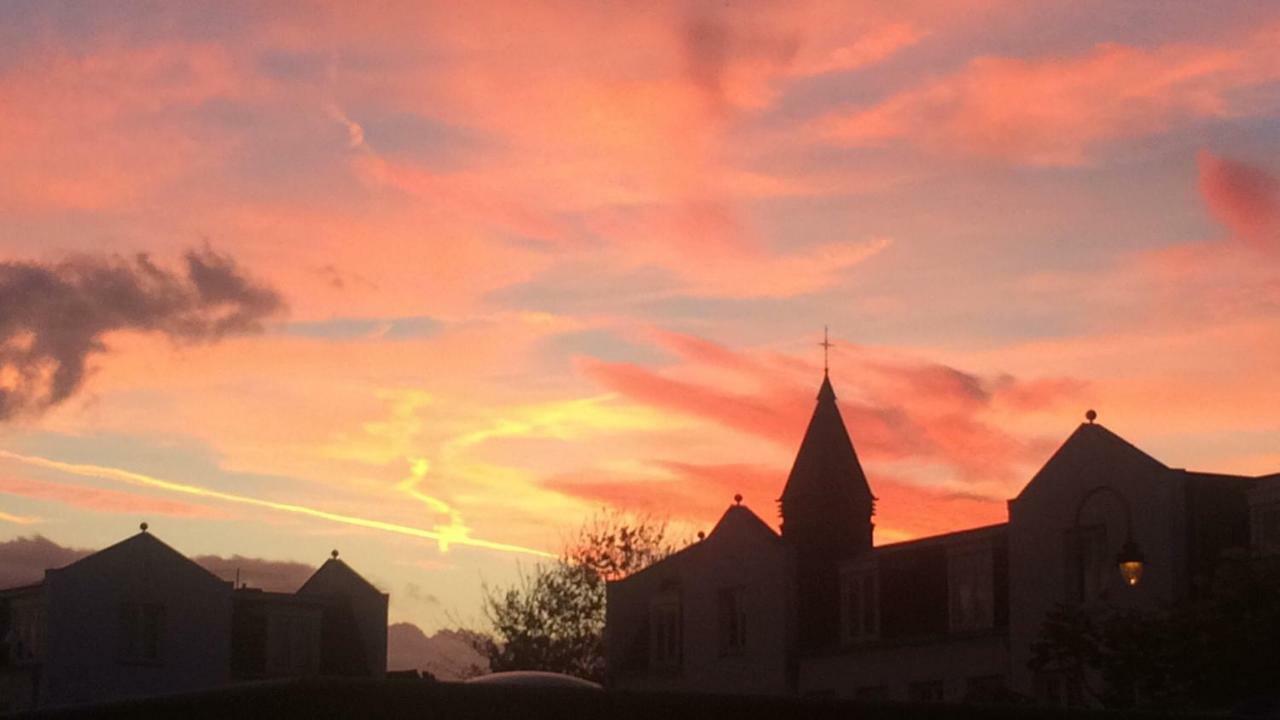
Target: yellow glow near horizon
<point>18,519</point>
<point>444,539</point>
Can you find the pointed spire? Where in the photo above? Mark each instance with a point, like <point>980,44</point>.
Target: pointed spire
<point>826,393</point>
<point>826,463</point>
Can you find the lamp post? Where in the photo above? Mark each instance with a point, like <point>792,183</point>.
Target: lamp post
<point>1130,560</point>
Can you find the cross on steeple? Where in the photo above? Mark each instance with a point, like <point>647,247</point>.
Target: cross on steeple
<point>826,350</point>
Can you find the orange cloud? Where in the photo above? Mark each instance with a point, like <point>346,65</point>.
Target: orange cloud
<point>1058,111</point>
<point>97,129</point>
<point>697,494</point>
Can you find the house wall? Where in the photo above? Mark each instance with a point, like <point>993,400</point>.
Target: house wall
<point>1041,515</point>
<point>757,564</point>
<point>84,661</point>
<point>896,667</point>
<point>367,605</point>
<point>914,640</point>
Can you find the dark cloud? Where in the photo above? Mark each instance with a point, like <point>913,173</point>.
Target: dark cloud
<point>712,43</point>
<point>53,316</point>
<point>24,560</point>
<point>448,654</point>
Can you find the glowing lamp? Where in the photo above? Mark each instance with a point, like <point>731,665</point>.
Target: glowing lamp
<point>1131,563</point>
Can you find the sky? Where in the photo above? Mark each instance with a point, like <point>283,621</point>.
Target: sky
<point>431,283</point>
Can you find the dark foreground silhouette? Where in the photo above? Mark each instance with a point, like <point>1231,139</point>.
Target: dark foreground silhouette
<point>349,698</point>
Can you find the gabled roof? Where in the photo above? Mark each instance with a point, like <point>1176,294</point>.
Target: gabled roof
<point>335,572</point>
<point>739,519</point>
<point>736,520</point>
<point>826,464</point>
<point>141,542</point>
<point>1094,441</point>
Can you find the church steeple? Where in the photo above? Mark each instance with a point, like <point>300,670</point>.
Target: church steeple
<point>826,518</point>
<point>826,472</point>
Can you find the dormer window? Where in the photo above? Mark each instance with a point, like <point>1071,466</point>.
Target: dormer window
<point>1265,522</point>
<point>970,588</point>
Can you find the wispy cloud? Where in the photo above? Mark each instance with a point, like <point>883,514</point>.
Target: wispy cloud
<point>1059,110</point>
<point>132,478</point>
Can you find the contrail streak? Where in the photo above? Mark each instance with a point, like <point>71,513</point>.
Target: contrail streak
<point>132,478</point>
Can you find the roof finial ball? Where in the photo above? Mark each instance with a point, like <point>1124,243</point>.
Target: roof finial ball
<point>737,499</point>
<point>1091,416</point>
<point>143,527</point>
<point>334,554</point>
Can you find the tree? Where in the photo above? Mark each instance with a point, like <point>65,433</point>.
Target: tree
<point>553,617</point>
<point>1210,652</point>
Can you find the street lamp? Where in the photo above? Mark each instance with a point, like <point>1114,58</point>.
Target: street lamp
<point>1131,562</point>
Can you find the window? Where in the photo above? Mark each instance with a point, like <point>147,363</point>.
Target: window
<point>985,689</point>
<point>292,644</point>
<point>1266,528</point>
<point>971,589</point>
<point>860,601</point>
<point>925,691</point>
<point>871,692</point>
<point>142,632</point>
<point>664,618</point>
<point>733,621</point>
<point>26,631</point>
<point>1088,564</point>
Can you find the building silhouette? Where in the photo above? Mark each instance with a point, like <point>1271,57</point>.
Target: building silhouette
<point>139,618</point>
<point>821,610</point>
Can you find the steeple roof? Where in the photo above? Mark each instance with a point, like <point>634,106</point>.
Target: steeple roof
<point>826,464</point>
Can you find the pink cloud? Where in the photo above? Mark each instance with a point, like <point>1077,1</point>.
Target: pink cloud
<point>901,409</point>
<point>1059,110</point>
<point>97,499</point>
<point>1243,197</point>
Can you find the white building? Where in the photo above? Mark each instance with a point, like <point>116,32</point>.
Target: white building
<point>139,618</point>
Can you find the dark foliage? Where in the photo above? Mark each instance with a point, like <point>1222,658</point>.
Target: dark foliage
<point>553,619</point>
<point>1212,652</point>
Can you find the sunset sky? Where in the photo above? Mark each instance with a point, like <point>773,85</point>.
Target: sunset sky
<point>429,283</point>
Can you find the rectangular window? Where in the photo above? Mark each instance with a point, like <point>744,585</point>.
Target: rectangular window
<point>1088,567</point>
<point>985,689</point>
<point>733,621</point>
<point>293,641</point>
<point>27,622</point>
<point>1266,528</point>
<point>971,589</point>
<point>872,692</point>
<point>860,603</point>
<point>142,632</point>
<point>664,619</point>
<point>926,691</point>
